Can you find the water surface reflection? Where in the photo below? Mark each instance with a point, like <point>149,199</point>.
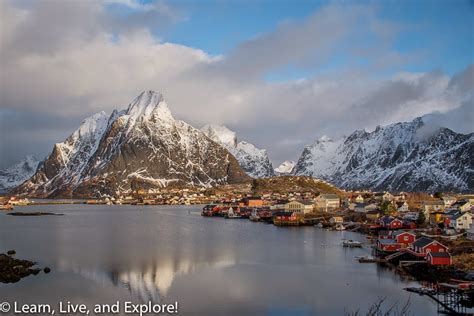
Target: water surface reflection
<point>211,266</point>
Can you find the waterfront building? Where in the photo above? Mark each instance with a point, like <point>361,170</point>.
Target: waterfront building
<point>299,206</point>
<point>328,202</point>
<point>439,258</point>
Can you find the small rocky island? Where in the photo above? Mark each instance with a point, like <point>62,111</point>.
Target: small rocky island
<point>13,270</point>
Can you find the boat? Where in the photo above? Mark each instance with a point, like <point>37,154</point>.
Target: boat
<point>351,243</point>
<point>340,227</point>
<point>254,216</point>
<point>265,216</point>
<point>319,225</point>
<point>231,214</point>
<point>367,259</point>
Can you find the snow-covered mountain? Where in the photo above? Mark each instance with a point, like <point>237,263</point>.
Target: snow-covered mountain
<point>285,168</point>
<point>408,156</point>
<point>140,147</point>
<point>253,160</point>
<point>15,175</point>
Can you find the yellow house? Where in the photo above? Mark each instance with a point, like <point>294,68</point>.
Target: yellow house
<point>436,218</point>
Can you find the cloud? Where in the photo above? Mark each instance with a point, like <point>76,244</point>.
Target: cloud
<point>65,60</point>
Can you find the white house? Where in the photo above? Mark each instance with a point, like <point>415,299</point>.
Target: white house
<point>299,206</point>
<point>359,199</point>
<point>461,205</point>
<point>448,200</point>
<point>402,207</point>
<point>470,233</point>
<point>336,220</point>
<point>364,207</point>
<point>328,202</point>
<point>433,206</point>
<point>460,221</point>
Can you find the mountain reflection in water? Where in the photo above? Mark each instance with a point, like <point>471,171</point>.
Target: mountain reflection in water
<point>211,266</point>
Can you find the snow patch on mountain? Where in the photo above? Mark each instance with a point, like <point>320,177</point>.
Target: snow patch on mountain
<point>253,160</point>
<point>18,173</point>
<point>285,168</point>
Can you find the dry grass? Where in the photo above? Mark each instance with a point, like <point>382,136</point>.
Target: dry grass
<point>464,261</point>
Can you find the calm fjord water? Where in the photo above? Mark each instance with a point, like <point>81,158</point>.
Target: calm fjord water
<point>211,266</point>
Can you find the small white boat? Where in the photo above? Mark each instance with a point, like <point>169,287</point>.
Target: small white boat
<point>340,227</point>
<point>231,214</point>
<point>254,216</point>
<point>319,225</point>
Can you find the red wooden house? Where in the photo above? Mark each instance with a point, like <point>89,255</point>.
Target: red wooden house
<point>404,238</point>
<point>387,245</point>
<point>439,258</point>
<point>425,245</point>
<point>286,218</point>
<point>385,234</point>
<point>390,222</point>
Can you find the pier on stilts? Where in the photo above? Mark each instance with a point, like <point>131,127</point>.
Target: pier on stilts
<point>455,298</point>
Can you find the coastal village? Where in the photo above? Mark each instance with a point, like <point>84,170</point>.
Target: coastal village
<point>426,236</point>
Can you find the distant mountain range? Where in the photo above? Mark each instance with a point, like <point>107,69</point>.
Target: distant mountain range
<point>406,156</point>
<point>18,173</point>
<point>144,146</point>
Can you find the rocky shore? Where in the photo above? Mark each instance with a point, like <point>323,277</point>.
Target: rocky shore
<point>13,270</point>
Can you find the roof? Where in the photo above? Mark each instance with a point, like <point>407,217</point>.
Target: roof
<point>399,232</point>
<point>305,202</point>
<point>459,203</point>
<point>251,198</point>
<point>386,241</point>
<point>440,202</point>
<point>282,213</point>
<point>387,219</point>
<point>440,254</point>
<point>452,212</point>
<point>329,196</point>
<point>422,242</point>
<point>376,211</point>
<point>458,215</point>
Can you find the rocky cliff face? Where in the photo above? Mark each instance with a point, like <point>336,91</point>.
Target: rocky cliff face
<point>140,147</point>
<point>400,157</point>
<point>15,175</point>
<point>254,161</point>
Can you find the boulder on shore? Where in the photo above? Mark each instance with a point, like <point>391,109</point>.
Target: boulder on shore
<point>13,270</point>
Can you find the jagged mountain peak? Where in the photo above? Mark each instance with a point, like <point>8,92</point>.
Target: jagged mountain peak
<point>325,138</point>
<point>220,134</point>
<point>149,104</point>
<point>253,160</point>
<point>91,124</point>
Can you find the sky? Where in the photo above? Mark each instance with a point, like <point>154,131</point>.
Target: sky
<point>280,73</point>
